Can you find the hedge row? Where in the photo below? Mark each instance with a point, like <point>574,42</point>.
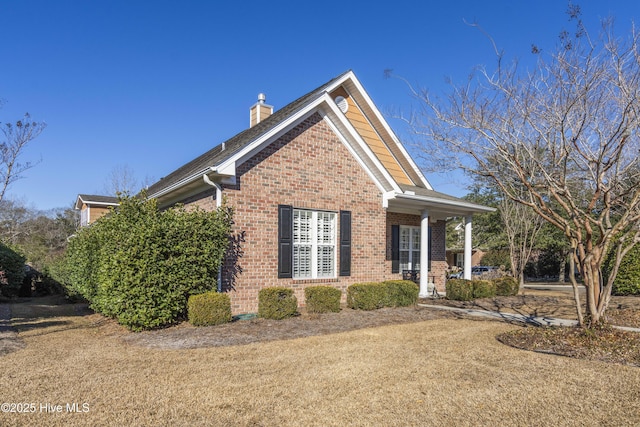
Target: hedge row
<point>467,290</point>
<point>374,295</point>
<point>279,303</point>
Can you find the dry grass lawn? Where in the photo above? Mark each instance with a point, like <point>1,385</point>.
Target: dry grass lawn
<point>434,372</point>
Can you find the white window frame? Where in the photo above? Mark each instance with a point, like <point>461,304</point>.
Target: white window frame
<point>413,232</point>
<point>308,237</point>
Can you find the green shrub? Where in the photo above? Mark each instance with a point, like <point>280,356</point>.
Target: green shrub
<point>506,286</point>
<point>627,281</point>
<point>140,265</point>
<point>209,308</point>
<point>483,289</point>
<point>12,271</point>
<point>402,293</point>
<point>322,299</point>
<point>459,289</point>
<point>277,303</point>
<point>367,296</point>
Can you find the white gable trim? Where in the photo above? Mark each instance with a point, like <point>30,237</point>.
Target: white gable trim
<point>319,105</point>
<point>387,128</point>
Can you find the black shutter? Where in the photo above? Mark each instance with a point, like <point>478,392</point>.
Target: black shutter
<point>285,241</point>
<point>395,249</point>
<point>345,243</point>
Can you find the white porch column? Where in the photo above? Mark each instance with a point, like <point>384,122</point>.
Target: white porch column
<point>424,254</point>
<point>467,247</point>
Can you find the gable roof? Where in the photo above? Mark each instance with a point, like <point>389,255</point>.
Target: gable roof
<point>379,152</point>
<point>225,150</point>
<point>91,199</point>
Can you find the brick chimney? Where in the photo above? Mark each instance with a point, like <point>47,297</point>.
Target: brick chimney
<point>260,111</point>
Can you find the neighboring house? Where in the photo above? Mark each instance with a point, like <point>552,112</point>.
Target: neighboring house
<point>455,257</point>
<point>324,193</point>
<point>92,207</point>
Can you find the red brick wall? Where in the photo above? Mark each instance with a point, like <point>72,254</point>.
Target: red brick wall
<point>308,168</point>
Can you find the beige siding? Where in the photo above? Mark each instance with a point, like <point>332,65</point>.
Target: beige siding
<point>97,212</point>
<point>373,140</point>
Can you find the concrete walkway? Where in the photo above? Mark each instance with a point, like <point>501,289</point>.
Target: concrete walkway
<point>518,318</point>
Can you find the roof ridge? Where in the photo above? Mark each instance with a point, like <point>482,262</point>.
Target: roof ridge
<point>217,154</point>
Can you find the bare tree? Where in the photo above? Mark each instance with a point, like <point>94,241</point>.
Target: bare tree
<point>562,138</point>
<point>522,226</point>
<point>16,137</point>
<point>121,180</point>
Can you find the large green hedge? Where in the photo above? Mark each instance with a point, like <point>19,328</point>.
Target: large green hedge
<point>12,271</point>
<point>140,265</point>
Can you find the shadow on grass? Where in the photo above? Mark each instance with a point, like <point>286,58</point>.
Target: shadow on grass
<point>46,315</point>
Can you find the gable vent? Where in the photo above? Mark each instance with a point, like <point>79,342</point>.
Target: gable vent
<point>342,103</point>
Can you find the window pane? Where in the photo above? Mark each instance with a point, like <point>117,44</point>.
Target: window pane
<point>405,238</point>
<point>415,237</point>
<point>301,226</point>
<point>301,261</point>
<point>326,228</point>
<point>326,261</point>
<point>415,260</point>
<point>404,260</point>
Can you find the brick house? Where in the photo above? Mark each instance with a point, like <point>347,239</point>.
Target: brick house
<point>323,193</point>
<point>92,207</point>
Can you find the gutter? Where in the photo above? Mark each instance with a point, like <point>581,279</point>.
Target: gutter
<point>208,181</point>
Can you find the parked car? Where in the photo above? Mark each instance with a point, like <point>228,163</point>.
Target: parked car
<point>481,269</point>
<point>456,275</point>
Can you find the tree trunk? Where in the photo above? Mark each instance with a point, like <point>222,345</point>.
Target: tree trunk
<point>563,265</point>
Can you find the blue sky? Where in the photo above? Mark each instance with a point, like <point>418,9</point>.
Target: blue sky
<point>151,85</point>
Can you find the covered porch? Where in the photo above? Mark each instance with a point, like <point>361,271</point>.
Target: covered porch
<point>417,218</point>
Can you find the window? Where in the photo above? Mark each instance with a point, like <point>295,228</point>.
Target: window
<point>459,260</point>
<point>84,217</point>
<point>409,248</point>
<point>314,244</point>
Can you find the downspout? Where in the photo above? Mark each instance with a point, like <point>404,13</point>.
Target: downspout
<point>208,181</point>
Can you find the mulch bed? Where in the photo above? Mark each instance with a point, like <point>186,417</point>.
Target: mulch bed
<point>256,330</point>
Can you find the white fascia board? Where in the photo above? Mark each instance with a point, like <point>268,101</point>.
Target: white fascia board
<point>388,129</point>
<point>229,165</point>
<point>471,207</point>
<point>87,202</point>
<point>355,136</point>
<point>185,181</point>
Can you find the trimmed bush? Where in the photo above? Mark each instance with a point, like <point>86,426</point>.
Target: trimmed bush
<point>322,299</point>
<point>277,303</point>
<point>402,293</point>
<point>367,296</point>
<point>209,308</point>
<point>483,289</point>
<point>506,286</point>
<point>459,289</point>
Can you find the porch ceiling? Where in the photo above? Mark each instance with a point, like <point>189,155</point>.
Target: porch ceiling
<point>414,200</point>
